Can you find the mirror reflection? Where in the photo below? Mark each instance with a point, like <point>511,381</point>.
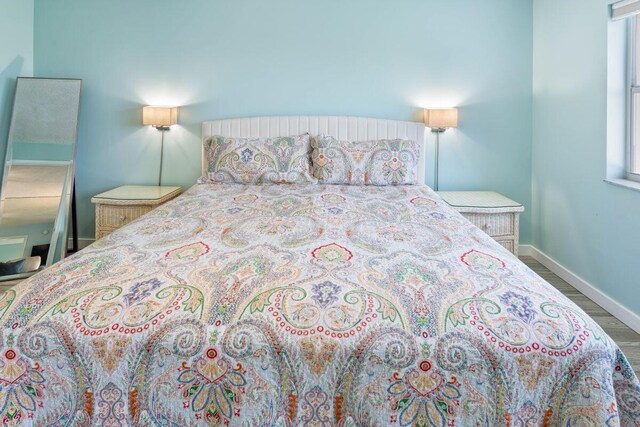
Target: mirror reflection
<point>38,175</point>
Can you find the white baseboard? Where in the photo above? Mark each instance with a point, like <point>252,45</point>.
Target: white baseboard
<point>83,242</point>
<point>525,250</point>
<point>616,309</point>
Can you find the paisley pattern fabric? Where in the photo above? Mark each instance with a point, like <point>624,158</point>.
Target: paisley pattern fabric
<point>304,305</point>
<point>258,160</point>
<point>378,162</point>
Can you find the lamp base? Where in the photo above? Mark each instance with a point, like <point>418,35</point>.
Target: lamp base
<point>437,131</point>
<point>163,129</point>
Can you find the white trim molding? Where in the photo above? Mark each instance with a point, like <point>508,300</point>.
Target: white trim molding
<point>616,309</point>
<point>624,9</point>
<point>83,242</point>
<point>624,183</point>
<point>525,250</point>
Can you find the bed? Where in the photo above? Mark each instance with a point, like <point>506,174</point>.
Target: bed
<point>304,305</point>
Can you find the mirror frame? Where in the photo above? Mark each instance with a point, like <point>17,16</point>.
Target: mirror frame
<point>61,222</point>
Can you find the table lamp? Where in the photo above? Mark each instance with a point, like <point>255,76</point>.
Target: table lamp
<point>439,120</point>
<point>161,118</point>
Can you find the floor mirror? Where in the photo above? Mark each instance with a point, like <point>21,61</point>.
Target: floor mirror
<point>38,175</point>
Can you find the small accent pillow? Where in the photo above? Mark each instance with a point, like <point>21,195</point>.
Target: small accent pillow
<point>11,267</point>
<point>378,162</point>
<point>283,160</point>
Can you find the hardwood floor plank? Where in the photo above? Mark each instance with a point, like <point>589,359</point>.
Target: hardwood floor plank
<point>590,307</point>
<point>626,338</point>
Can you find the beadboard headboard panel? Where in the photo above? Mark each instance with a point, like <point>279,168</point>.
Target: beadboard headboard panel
<point>340,127</point>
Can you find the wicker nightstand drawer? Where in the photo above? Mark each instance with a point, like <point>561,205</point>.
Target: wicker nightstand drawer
<point>119,207</point>
<point>491,212</point>
<point>510,245</point>
<point>495,225</point>
<point>104,231</point>
<point>117,216</point>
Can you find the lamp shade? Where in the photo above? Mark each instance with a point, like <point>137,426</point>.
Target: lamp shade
<point>441,118</point>
<point>160,116</point>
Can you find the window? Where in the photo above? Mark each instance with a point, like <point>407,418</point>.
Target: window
<point>628,12</point>
<point>633,166</point>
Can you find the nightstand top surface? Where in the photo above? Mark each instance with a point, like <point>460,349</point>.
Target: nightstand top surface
<point>479,200</point>
<point>137,192</point>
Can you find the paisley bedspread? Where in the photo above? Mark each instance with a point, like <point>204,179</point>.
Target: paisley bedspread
<point>304,305</point>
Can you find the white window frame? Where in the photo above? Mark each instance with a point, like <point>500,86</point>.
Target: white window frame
<point>633,149</point>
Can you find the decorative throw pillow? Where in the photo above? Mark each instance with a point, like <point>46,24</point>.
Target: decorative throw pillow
<point>258,160</point>
<point>11,267</point>
<point>378,162</point>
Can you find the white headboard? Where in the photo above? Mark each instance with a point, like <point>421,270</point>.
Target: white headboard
<point>340,127</point>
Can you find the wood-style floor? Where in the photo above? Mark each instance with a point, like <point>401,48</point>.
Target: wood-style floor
<point>627,339</point>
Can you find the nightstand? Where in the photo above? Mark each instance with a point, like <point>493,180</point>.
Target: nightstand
<point>493,213</point>
<point>122,205</point>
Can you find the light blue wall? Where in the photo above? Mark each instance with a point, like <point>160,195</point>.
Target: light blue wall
<point>16,57</point>
<point>222,59</point>
<point>587,225</point>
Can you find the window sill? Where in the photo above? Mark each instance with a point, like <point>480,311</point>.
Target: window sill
<point>626,183</point>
